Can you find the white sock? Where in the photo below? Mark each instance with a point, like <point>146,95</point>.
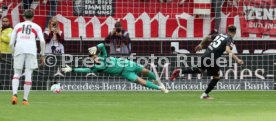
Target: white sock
<point>15,85</point>
<point>27,88</point>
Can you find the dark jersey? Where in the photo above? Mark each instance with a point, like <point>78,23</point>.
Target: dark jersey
<point>218,45</point>
<point>212,35</point>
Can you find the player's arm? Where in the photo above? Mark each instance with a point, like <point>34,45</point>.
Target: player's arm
<point>203,43</point>
<point>231,54</point>
<point>84,70</point>
<point>42,41</point>
<point>78,70</point>
<point>101,47</point>
<point>13,39</point>
<point>42,45</point>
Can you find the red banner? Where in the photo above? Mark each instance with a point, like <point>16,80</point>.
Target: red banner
<point>259,17</point>
<point>151,19</point>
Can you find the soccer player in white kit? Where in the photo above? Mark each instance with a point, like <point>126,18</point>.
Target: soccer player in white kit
<point>23,44</point>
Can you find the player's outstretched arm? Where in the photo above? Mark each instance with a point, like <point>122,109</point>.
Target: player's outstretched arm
<point>231,54</point>
<point>102,49</point>
<point>78,70</point>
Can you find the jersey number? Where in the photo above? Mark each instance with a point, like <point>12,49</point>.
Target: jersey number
<point>217,41</point>
<point>27,29</point>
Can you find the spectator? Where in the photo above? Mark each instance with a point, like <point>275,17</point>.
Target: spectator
<point>118,40</point>
<point>54,38</point>
<point>53,7</point>
<point>5,35</point>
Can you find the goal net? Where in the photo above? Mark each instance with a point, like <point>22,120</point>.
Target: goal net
<point>258,73</point>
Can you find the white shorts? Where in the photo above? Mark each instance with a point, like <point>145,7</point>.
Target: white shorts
<point>29,60</point>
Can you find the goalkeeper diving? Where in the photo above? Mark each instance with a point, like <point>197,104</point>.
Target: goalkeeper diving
<point>118,67</point>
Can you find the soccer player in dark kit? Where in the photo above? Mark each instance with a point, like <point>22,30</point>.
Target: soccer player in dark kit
<point>221,43</point>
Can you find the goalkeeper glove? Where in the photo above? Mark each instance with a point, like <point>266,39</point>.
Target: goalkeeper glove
<point>66,69</point>
<point>92,50</point>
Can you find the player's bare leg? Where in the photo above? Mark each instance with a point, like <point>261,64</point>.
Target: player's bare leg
<point>210,87</point>
<point>151,85</point>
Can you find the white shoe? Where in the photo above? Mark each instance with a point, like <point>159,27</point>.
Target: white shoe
<point>163,88</point>
<point>205,96</point>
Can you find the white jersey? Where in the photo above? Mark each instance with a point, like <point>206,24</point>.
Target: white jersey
<point>23,38</point>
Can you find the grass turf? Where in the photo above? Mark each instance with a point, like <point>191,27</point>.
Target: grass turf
<point>141,106</point>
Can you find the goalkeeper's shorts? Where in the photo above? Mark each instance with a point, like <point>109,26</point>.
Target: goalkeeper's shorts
<point>130,72</point>
<point>29,60</point>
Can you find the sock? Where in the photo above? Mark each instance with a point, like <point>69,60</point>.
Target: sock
<point>27,88</point>
<point>191,70</point>
<point>151,85</point>
<point>211,85</point>
<point>151,75</point>
<point>15,85</point>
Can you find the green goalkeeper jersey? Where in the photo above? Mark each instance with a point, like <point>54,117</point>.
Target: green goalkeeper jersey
<point>110,65</point>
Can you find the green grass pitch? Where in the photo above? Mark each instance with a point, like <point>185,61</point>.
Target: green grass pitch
<point>141,106</point>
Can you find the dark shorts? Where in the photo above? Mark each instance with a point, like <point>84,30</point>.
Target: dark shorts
<point>212,70</point>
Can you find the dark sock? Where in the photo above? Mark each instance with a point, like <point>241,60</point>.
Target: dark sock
<point>190,70</point>
<point>211,85</point>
